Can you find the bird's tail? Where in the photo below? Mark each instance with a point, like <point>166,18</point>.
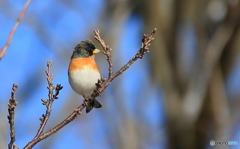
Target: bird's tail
<point>93,104</point>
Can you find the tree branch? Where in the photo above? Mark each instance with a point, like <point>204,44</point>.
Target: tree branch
<point>51,97</point>
<point>103,83</point>
<point>11,110</point>
<point>4,48</point>
<point>70,118</point>
<point>100,87</point>
<point>106,51</point>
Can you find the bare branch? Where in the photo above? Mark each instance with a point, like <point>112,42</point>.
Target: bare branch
<point>51,97</point>
<point>100,87</point>
<point>4,48</point>
<point>103,83</point>
<point>70,118</point>
<point>11,110</point>
<point>106,51</point>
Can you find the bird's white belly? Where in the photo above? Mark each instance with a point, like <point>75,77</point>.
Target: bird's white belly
<point>83,82</point>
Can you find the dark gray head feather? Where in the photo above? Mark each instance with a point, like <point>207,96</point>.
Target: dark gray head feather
<point>84,49</point>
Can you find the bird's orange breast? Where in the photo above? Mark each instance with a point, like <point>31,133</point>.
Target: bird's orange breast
<point>80,63</point>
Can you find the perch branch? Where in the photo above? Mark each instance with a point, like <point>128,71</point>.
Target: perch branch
<point>100,86</point>
<point>11,111</point>
<point>103,83</point>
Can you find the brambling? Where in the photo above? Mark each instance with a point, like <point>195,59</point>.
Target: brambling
<point>83,72</point>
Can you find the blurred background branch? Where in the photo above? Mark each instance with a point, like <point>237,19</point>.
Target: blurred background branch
<point>4,48</point>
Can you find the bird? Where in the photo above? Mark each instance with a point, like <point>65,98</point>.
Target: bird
<point>83,72</point>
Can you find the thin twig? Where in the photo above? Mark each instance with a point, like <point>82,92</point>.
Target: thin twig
<point>51,97</point>
<point>103,84</point>
<point>70,118</point>
<point>4,48</point>
<point>11,110</point>
<point>106,51</point>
